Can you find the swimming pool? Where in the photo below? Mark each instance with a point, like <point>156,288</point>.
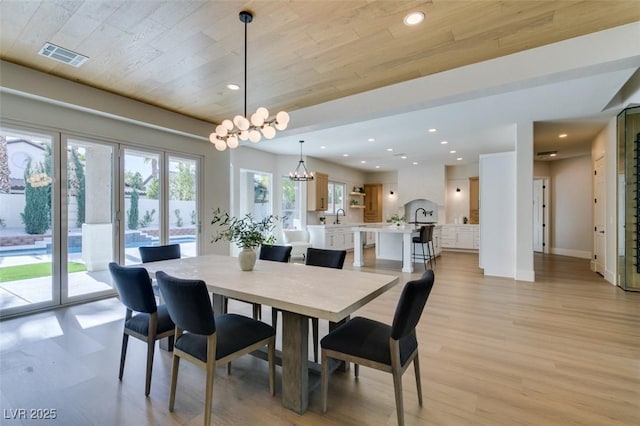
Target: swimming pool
<point>39,251</point>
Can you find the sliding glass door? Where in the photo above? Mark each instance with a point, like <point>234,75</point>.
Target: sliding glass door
<point>69,205</point>
<point>160,202</point>
<point>184,220</point>
<point>90,227</point>
<point>29,277</point>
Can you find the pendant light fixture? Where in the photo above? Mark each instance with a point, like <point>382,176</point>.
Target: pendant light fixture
<point>230,132</point>
<point>301,174</point>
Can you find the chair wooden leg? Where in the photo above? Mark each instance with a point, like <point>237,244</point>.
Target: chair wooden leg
<point>356,370</point>
<point>174,381</point>
<point>424,257</point>
<point>208,393</point>
<point>210,367</point>
<point>396,371</point>
<point>151,345</point>
<point>123,354</point>
<point>315,325</point>
<point>324,381</point>
<point>416,367</point>
<point>397,387</point>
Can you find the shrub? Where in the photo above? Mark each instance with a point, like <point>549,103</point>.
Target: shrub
<point>36,215</point>
<point>147,218</point>
<point>132,213</point>
<point>178,218</point>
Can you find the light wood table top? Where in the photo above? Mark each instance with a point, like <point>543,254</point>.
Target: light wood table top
<point>324,293</point>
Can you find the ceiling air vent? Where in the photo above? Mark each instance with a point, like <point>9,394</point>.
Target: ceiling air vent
<point>547,153</point>
<point>63,55</point>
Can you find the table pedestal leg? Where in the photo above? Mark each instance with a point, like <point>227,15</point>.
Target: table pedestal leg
<point>295,355</point>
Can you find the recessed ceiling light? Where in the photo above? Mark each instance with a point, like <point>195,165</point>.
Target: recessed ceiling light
<point>553,154</point>
<point>453,151</point>
<point>404,157</point>
<point>415,163</point>
<point>562,135</point>
<point>414,18</point>
<point>389,149</point>
<point>363,161</point>
<point>371,140</point>
<point>433,130</point>
<point>232,86</point>
<point>323,147</point>
<point>377,167</point>
<point>459,158</point>
<point>444,142</point>
<point>345,155</point>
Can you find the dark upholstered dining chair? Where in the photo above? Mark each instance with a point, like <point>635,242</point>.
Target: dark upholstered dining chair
<point>157,253</point>
<point>324,258</point>
<point>151,323</point>
<point>267,252</point>
<point>207,341</point>
<point>374,344</point>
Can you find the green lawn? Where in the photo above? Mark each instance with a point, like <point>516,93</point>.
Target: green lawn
<point>33,270</point>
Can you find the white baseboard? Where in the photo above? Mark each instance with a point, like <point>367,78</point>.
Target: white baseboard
<point>572,253</point>
<point>610,276</point>
<point>525,275</point>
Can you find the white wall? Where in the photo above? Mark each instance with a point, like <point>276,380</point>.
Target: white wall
<point>571,214</point>
<point>498,214</point>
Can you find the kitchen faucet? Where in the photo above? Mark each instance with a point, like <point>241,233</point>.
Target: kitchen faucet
<point>337,222</point>
<point>415,215</point>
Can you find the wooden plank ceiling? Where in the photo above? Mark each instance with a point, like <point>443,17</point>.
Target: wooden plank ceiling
<point>180,55</point>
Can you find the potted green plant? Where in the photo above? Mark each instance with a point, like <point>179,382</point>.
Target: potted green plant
<point>397,220</point>
<point>247,233</point>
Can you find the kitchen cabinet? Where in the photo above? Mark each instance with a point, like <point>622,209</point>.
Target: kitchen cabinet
<point>373,202</point>
<point>318,192</point>
<point>331,237</point>
<point>474,200</point>
<point>466,237</point>
<point>437,237</point>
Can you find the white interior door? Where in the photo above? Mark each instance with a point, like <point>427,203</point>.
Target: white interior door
<point>598,217</point>
<point>538,215</point>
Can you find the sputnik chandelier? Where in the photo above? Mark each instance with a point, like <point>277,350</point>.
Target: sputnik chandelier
<point>241,128</point>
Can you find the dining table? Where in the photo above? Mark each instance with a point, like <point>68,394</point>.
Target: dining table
<point>299,291</point>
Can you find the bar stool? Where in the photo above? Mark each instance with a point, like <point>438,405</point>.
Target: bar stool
<point>425,237</point>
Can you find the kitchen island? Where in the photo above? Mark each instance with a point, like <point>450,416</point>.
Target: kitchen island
<point>392,242</point>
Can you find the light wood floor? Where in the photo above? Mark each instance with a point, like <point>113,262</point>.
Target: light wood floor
<point>564,350</point>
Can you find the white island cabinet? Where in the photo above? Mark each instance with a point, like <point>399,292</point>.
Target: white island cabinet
<point>331,237</point>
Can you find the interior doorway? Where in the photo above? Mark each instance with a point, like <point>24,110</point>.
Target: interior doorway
<point>541,215</point>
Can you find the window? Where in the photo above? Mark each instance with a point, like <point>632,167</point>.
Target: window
<point>291,206</point>
<point>336,197</point>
